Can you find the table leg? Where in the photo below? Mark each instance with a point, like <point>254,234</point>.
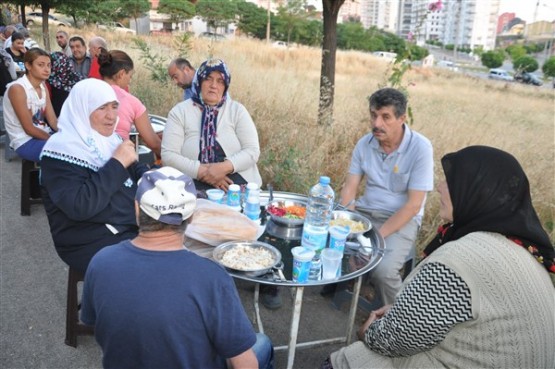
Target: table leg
<point>257,308</point>
<point>294,331</point>
<point>353,310</point>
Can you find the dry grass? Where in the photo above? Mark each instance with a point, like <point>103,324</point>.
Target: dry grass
<point>280,90</point>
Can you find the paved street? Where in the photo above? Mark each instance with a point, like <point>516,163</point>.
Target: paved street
<point>33,282</point>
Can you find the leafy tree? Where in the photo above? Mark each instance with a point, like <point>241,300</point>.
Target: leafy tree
<point>352,35</point>
<point>526,63</point>
<point>478,50</point>
<point>251,19</point>
<point>292,14</point>
<point>177,10</point>
<point>45,6</point>
<point>90,11</point>
<point>310,33</point>
<point>216,13</point>
<point>329,50</point>
<point>548,67</point>
<point>78,10</point>
<point>416,52</point>
<point>533,48</point>
<point>492,58</point>
<point>392,42</point>
<point>515,51</point>
<point>133,8</point>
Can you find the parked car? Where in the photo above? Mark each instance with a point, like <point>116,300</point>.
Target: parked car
<point>500,74</point>
<point>118,27</point>
<point>528,78</point>
<point>213,36</point>
<point>385,54</point>
<point>36,18</point>
<point>447,64</point>
<point>280,44</point>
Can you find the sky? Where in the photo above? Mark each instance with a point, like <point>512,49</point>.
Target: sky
<point>525,9</point>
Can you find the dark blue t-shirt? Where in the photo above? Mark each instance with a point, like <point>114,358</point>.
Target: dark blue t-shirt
<point>163,309</point>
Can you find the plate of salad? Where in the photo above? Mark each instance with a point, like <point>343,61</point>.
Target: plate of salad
<point>287,212</point>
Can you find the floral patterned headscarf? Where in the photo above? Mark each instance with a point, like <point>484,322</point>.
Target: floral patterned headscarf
<point>62,75</point>
<point>209,118</point>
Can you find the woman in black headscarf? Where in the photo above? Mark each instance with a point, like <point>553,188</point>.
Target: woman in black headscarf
<point>482,297</point>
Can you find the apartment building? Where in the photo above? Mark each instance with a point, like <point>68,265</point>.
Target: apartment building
<point>380,13</point>
<point>467,23</point>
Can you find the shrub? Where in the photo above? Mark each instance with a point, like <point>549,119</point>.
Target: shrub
<point>548,67</point>
<point>493,58</point>
<point>526,63</point>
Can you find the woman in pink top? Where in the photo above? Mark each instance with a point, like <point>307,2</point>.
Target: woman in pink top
<point>116,68</point>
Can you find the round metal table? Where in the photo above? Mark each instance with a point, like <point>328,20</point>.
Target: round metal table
<point>356,262</point>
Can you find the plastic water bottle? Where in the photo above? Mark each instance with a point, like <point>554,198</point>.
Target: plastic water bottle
<point>250,187</point>
<point>318,215</point>
<point>252,206</point>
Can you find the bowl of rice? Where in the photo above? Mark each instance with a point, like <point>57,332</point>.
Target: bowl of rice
<point>358,224</point>
<point>253,258</point>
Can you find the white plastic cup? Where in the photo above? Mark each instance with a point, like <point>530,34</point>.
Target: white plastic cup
<point>234,196</point>
<point>331,261</point>
<point>338,237</point>
<point>302,259</point>
<point>252,206</point>
<point>215,195</point>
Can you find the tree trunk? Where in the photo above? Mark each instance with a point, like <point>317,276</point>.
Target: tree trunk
<point>327,74</point>
<point>45,8</point>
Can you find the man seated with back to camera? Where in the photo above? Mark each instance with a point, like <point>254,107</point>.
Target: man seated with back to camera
<point>398,166</point>
<point>170,308</point>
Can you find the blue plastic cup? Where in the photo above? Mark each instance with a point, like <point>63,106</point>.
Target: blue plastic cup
<point>234,196</point>
<point>338,237</point>
<point>302,259</point>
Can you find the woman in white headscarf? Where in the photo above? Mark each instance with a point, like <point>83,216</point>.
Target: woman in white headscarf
<point>89,176</point>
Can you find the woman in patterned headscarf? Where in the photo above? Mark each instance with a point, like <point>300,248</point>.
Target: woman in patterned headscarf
<point>211,137</point>
<point>62,79</point>
<point>482,297</point>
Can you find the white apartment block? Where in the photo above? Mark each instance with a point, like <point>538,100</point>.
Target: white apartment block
<point>461,22</point>
<point>382,14</point>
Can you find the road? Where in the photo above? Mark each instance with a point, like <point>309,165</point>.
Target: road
<point>472,67</point>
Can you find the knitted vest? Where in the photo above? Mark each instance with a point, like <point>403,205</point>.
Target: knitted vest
<point>513,305</point>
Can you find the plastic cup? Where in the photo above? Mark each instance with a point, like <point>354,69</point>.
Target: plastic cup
<point>234,196</point>
<point>302,258</point>
<point>331,261</point>
<point>338,237</point>
<point>251,186</point>
<point>215,195</point>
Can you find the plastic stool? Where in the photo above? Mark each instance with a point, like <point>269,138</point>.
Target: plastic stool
<point>30,189</point>
<point>74,327</point>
